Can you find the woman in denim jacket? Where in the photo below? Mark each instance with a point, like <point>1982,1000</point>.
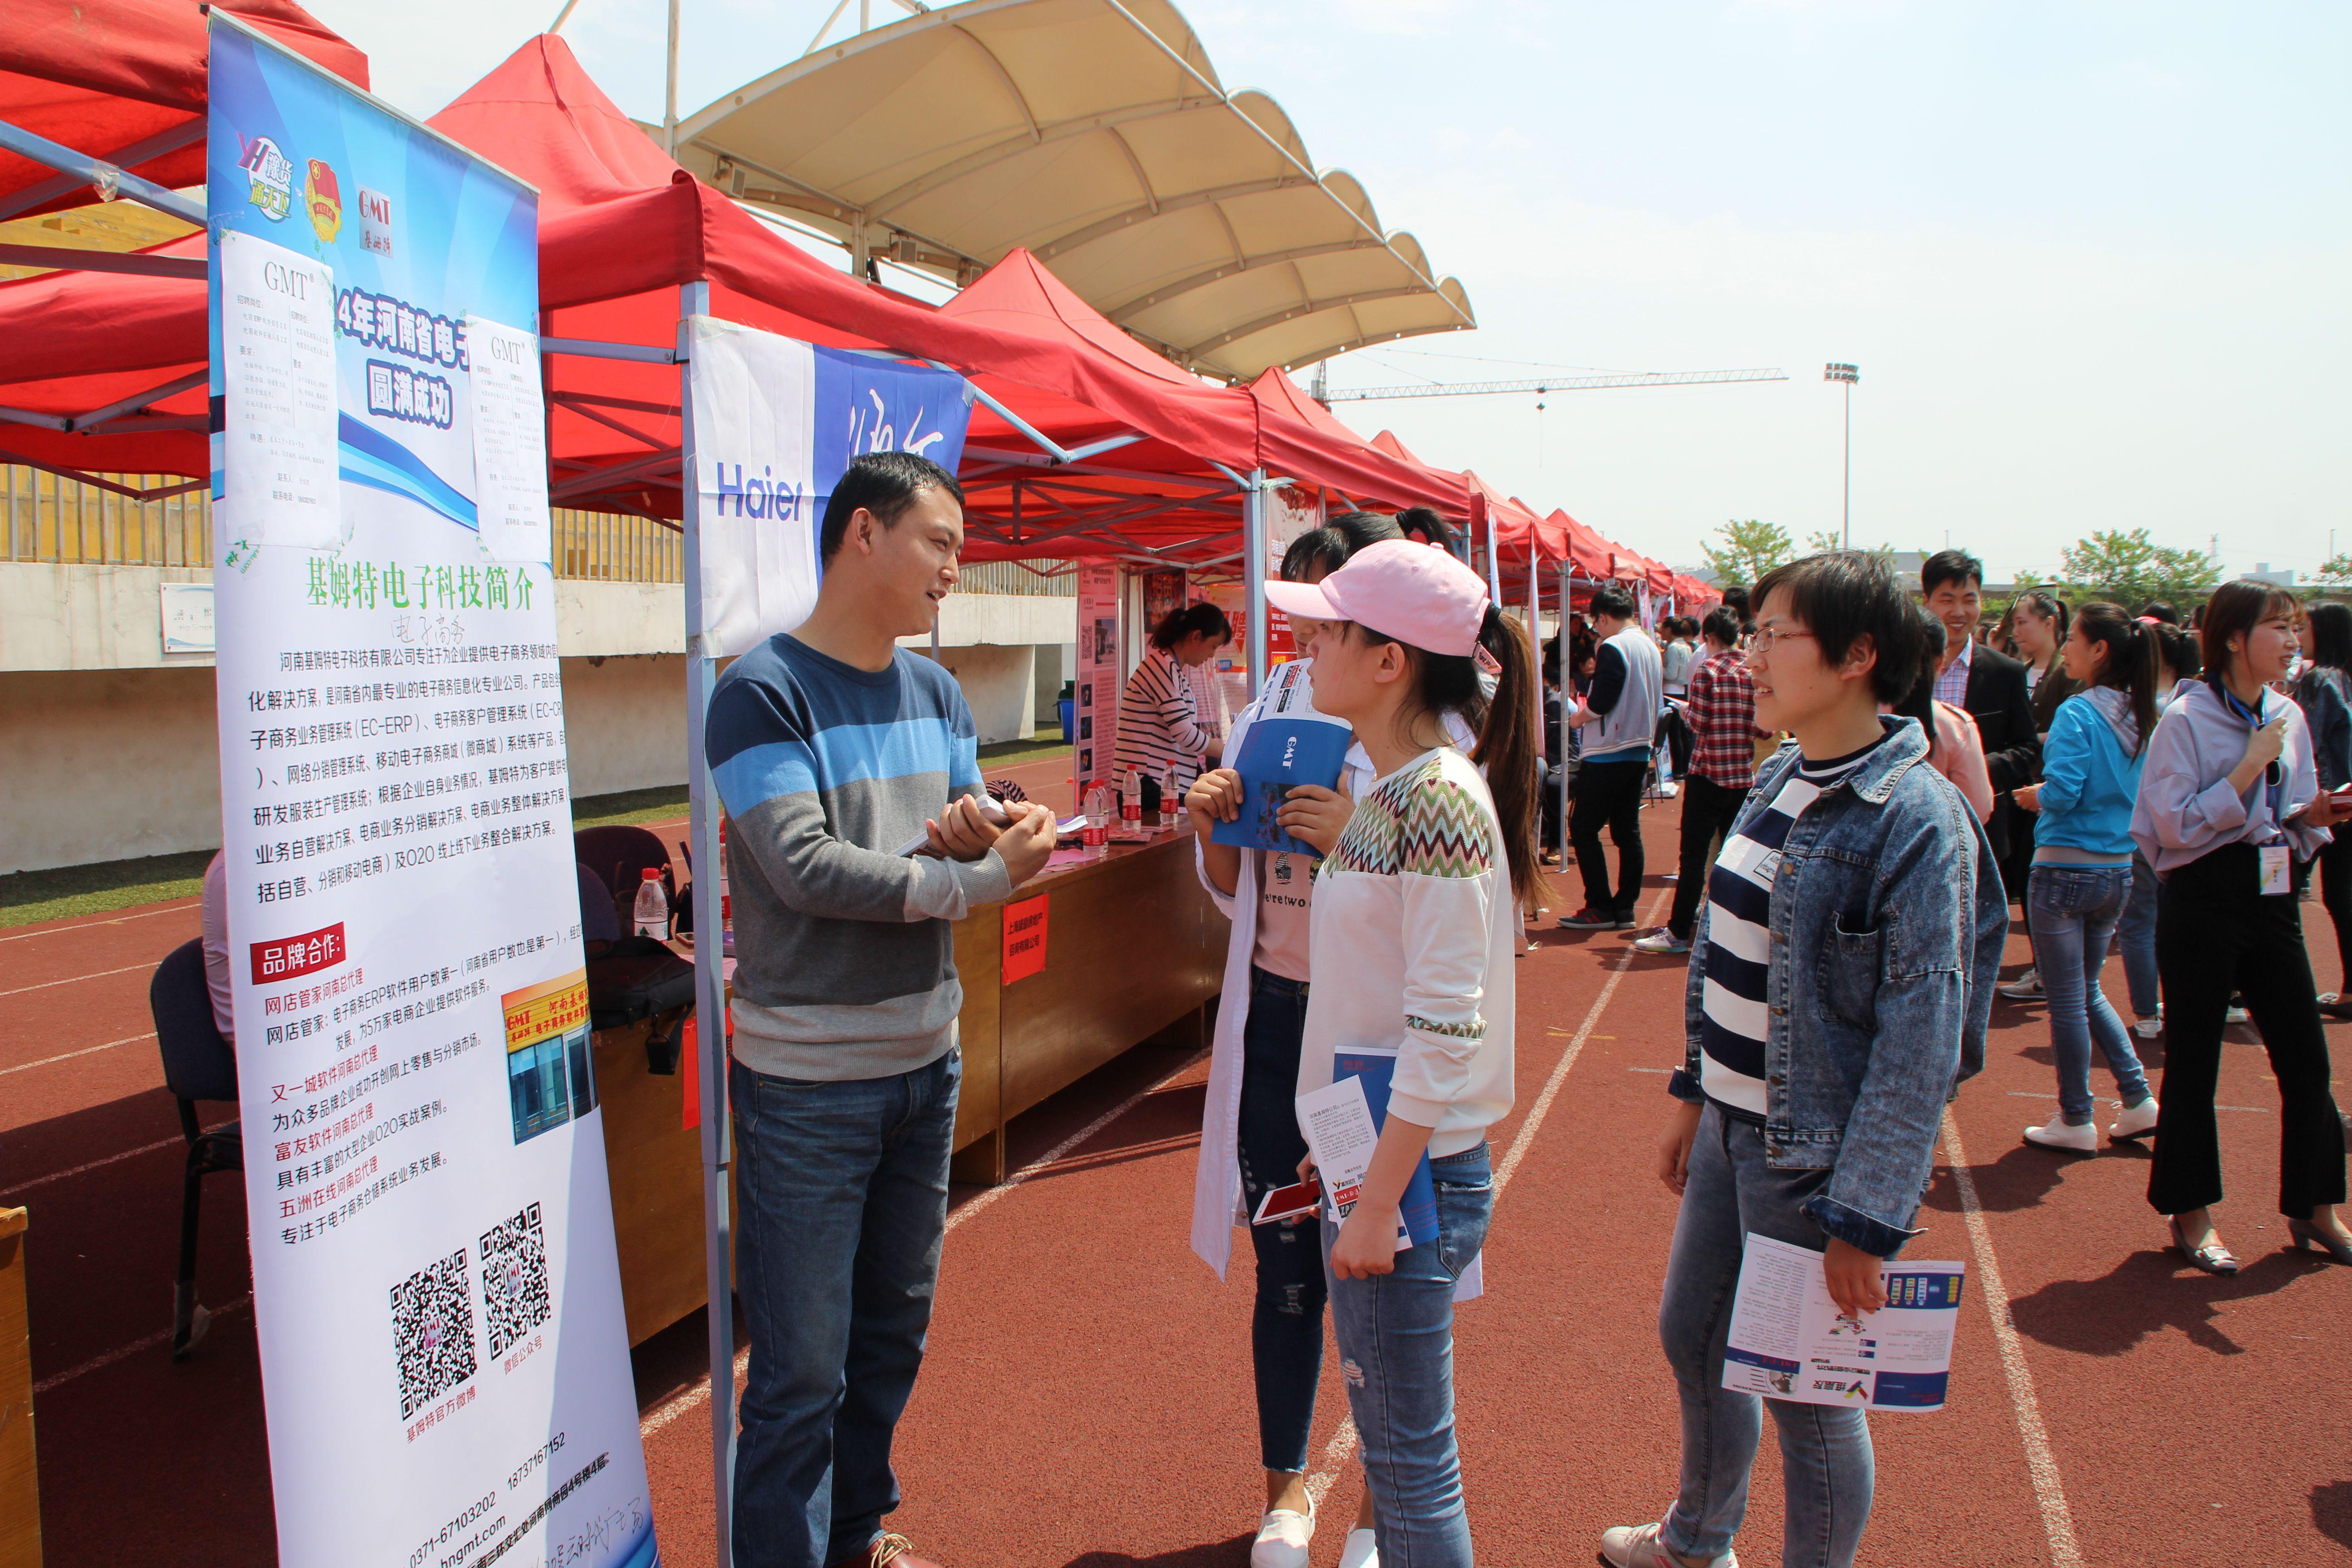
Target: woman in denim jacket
<point>1840,983</point>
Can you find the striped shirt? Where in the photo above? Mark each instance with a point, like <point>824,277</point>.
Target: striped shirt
<point>1733,1020</point>
<point>1160,721</point>
<point>1952,680</point>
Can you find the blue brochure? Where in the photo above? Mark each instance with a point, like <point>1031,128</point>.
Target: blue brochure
<point>1376,1068</point>
<point>1277,755</point>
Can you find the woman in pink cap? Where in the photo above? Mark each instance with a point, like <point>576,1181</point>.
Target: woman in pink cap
<point>1412,929</point>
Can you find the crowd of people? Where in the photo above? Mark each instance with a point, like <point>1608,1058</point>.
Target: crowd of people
<point>1868,785</point>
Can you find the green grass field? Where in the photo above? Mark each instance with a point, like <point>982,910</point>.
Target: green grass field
<point>31,898</point>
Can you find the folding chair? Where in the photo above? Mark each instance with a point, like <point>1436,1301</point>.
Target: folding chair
<point>198,1064</point>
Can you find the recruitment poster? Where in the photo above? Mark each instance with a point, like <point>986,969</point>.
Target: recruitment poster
<point>1100,675</point>
<point>776,422</point>
<point>445,1363</point>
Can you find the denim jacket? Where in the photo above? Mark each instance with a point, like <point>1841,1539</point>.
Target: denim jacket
<point>1887,919</point>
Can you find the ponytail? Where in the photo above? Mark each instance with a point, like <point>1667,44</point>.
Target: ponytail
<point>2131,662</point>
<point>1509,748</point>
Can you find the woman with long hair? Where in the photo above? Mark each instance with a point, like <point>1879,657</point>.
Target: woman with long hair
<point>1160,726</point>
<point>2324,692</point>
<point>1411,935</point>
<point>2177,661</point>
<point>2228,800</point>
<point>1955,746</point>
<point>2081,872</point>
<point>1250,1142</point>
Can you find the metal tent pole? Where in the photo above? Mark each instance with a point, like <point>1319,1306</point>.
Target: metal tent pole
<point>710,948</point>
<point>1566,591</point>
<point>1254,573</point>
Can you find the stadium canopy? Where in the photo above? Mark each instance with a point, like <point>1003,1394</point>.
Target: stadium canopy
<point>1095,135</point>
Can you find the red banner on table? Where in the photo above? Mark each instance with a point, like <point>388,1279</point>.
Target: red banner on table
<point>289,956</point>
<point>1024,939</point>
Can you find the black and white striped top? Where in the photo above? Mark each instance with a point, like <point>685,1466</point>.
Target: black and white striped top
<point>1160,722</point>
<point>1732,1019</point>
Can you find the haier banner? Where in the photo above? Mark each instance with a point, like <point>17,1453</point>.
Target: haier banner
<point>445,1362</point>
<point>776,421</point>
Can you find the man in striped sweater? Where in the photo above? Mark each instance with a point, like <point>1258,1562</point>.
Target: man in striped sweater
<point>830,747</point>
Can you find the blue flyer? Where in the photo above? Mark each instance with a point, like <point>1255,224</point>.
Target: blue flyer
<point>1277,756</point>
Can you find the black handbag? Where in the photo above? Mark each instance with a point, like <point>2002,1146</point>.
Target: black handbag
<point>638,977</point>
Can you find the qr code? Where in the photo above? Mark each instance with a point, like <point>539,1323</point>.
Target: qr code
<point>514,1278</point>
<point>433,1331</point>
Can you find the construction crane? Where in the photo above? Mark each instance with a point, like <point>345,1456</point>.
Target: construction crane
<point>1328,394</point>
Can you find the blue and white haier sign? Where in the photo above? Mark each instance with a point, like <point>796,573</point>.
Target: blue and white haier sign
<point>776,421</point>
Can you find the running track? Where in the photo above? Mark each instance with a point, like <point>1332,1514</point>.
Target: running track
<point>1087,1401</point>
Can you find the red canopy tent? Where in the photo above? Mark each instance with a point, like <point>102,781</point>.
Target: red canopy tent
<point>124,82</point>
<point>1436,487</point>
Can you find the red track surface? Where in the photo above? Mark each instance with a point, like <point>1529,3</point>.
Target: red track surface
<point>1087,1401</point>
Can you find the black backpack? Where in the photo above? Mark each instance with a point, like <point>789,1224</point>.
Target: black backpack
<point>638,977</point>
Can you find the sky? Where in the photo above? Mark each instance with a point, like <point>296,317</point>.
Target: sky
<point>2091,259</point>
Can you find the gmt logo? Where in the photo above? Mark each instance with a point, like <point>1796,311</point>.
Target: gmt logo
<point>376,222</point>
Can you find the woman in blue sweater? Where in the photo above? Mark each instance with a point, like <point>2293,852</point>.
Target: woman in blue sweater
<point>2081,873</point>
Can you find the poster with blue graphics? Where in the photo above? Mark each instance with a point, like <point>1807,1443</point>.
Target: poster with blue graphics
<point>775,424</point>
<point>438,1302</point>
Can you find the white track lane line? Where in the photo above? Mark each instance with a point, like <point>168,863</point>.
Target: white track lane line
<point>1343,1441</point>
<point>78,979</point>
<point>85,1051</point>
<point>691,1398</point>
<point>91,922</point>
<point>175,1141</point>
<point>134,1348</point>
<point>2040,1464</point>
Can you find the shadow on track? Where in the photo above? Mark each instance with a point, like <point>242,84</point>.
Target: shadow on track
<point>2147,1293</point>
<point>1207,1554</point>
<point>2331,1512</point>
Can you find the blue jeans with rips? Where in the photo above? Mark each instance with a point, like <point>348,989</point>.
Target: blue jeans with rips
<point>2075,912</point>
<point>1396,1354</point>
<point>844,1187</point>
<point>1825,1454</point>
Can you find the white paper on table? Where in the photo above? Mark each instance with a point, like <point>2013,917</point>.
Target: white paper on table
<point>1338,1122</point>
<point>509,442</point>
<point>279,411</point>
<point>1789,1340</point>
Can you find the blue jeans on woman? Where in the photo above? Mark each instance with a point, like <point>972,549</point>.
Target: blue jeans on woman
<point>2075,912</point>
<point>1396,1353</point>
<point>1286,1319</point>
<point>1825,1454</point>
<point>844,1193</point>
<point>2137,934</point>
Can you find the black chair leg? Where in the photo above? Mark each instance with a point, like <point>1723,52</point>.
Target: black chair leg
<point>189,1320</point>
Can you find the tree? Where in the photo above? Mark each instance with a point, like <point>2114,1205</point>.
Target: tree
<point>1749,550</point>
<point>2339,568</point>
<point>2131,569</point>
<point>1825,540</point>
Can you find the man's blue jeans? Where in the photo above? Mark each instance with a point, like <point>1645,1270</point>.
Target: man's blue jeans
<point>843,1189</point>
<point>2075,912</point>
<point>1396,1354</point>
<point>1825,1456</point>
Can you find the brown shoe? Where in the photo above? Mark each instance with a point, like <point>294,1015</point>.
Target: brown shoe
<point>889,1550</point>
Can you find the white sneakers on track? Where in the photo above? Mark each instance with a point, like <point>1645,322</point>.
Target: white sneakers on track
<point>1638,1546</point>
<point>2131,1121</point>
<point>1283,1536</point>
<point>1360,1550</point>
<point>2134,1120</point>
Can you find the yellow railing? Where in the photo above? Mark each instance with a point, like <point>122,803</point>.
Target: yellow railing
<point>611,548</point>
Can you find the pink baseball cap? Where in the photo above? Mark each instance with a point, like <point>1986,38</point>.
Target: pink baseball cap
<point>1420,596</point>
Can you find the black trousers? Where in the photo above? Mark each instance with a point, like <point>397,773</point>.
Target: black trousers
<point>2334,866</point>
<point>1708,808</point>
<point>1608,794</point>
<point>2215,933</point>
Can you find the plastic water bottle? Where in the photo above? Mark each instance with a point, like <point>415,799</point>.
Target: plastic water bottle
<point>1096,834</point>
<point>652,917</point>
<point>1131,799</point>
<point>1171,799</point>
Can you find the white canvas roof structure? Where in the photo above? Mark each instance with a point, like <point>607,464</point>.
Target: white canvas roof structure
<point>1096,134</point>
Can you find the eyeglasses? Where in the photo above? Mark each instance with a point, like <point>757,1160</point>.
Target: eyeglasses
<point>1760,643</point>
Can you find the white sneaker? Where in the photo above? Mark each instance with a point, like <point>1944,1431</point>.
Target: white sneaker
<point>2234,1015</point>
<point>1662,941</point>
<point>2055,1134</point>
<point>1281,1539</point>
<point>1670,790</point>
<point>2148,1029</point>
<point>2026,988</point>
<point>2134,1120</point>
<point>1638,1546</point>
<point>1361,1551</point>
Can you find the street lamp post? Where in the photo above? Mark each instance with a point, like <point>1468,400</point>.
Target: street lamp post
<point>1849,374</point>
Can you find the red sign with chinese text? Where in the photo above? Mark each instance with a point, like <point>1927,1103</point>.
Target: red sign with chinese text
<point>305,955</point>
<point>1024,939</point>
